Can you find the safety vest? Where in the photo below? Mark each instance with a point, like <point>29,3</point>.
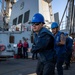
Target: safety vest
<point>59,49</point>
<point>19,45</point>
<point>25,44</point>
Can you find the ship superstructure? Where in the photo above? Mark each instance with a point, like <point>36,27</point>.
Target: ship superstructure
<point>19,14</point>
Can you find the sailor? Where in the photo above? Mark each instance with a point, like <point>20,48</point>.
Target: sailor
<point>69,49</point>
<point>20,45</point>
<point>60,46</point>
<point>44,46</point>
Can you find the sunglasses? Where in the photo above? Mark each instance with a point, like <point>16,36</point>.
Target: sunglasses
<point>36,24</point>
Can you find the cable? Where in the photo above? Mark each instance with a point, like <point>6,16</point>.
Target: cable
<point>64,12</point>
<point>72,17</point>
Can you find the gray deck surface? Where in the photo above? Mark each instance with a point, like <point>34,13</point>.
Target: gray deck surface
<point>25,67</point>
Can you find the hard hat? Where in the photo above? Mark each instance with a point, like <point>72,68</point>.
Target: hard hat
<point>37,18</point>
<point>66,33</point>
<point>54,25</point>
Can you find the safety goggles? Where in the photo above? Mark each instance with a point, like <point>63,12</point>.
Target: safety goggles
<point>36,24</point>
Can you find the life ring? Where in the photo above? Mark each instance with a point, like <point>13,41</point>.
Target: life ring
<point>2,47</point>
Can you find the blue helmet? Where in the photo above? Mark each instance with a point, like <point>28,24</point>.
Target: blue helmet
<point>38,18</point>
<point>54,25</point>
<point>66,33</point>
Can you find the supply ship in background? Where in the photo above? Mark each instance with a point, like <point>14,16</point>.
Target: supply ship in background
<point>15,18</point>
<point>15,21</point>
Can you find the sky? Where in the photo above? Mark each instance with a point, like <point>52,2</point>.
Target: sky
<point>59,6</point>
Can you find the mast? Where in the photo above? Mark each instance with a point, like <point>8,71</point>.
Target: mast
<point>6,12</point>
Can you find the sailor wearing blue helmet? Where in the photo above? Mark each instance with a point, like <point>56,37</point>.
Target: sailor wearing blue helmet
<point>60,46</point>
<point>43,45</point>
